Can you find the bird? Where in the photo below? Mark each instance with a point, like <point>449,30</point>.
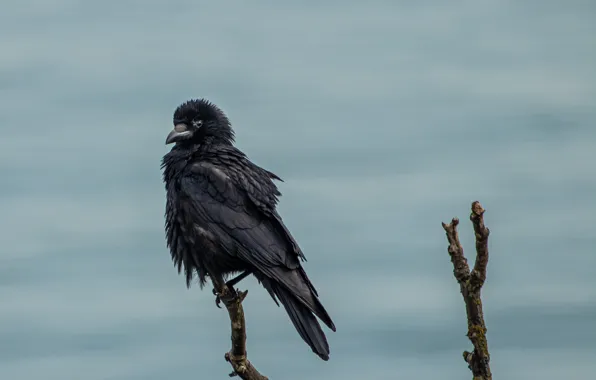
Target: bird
<point>221,219</point>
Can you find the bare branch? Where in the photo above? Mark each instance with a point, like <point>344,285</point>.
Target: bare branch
<point>232,300</point>
<point>461,270</point>
<point>471,286</point>
<point>481,232</point>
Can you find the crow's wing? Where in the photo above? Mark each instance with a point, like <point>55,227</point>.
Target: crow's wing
<point>233,206</point>
<point>220,198</point>
<point>257,184</point>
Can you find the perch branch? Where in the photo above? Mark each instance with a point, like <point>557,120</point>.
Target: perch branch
<point>471,285</point>
<point>232,300</point>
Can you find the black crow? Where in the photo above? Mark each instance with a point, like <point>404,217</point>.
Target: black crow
<point>221,219</point>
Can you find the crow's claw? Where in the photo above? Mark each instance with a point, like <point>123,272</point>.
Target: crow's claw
<point>217,298</point>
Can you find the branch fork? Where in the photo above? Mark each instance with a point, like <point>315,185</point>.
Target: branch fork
<point>471,283</point>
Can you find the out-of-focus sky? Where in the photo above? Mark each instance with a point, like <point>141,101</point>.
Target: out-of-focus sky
<point>383,118</point>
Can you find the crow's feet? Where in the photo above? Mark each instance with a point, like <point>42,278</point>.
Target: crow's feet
<point>230,295</point>
<point>217,298</point>
<point>230,286</point>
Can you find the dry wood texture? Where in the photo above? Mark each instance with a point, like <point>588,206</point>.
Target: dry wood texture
<point>232,300</point>
<point>471,283</point>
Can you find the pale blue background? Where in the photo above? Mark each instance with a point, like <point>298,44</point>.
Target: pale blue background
<point>384,119</point>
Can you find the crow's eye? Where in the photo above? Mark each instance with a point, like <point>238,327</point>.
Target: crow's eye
<point>197,123</point>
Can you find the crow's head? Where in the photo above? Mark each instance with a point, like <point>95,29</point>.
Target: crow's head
<point>197,120</point>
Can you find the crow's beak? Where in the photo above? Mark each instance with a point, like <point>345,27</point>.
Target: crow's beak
<point>180,132</point>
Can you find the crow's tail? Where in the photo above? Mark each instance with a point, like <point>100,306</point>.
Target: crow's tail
<point>303,319</point>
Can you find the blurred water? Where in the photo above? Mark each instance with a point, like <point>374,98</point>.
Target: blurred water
<point>384,119</point>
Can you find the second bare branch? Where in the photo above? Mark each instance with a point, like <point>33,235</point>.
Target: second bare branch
<point>471,285</point>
